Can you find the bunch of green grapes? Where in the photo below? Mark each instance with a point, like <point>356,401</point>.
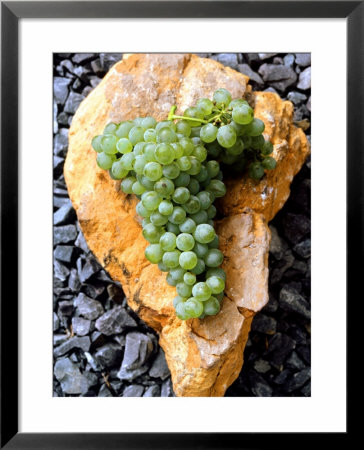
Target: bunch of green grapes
<point>173,167</point>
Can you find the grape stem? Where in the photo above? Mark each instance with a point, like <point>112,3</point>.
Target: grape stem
<point>172,116</point>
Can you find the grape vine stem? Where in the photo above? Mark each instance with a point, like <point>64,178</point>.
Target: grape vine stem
<point>172,116</point>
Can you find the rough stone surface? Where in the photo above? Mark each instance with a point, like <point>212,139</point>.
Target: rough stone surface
<point>205,356</point>
<point>70,377</point>
<point>115,321</point>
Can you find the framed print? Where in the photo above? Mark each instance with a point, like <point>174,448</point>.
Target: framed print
<point>194,126</point>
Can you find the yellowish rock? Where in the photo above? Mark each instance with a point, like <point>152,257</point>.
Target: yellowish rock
<point>204,356</point>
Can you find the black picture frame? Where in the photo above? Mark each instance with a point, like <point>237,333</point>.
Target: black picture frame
<point>11,12</point>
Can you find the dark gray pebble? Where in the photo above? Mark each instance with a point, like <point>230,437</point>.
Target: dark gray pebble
<point>159,367</point>
<point>134,390</point>
<point>279,347</point>
<point>73,102</point>
<point>115,321</point>
<point>75,342</point>
<point>60,143</point>
<point>60,89</point>
<point>254,76</point>
<point>64,234</point>
<point>152,391</point>
<point>87,307</point>
<point>64,253</point>
<point>81,326</point>
<point>109,355</point>
<point>293,301</point>
<point>64,214</point>
<point>264,324</point>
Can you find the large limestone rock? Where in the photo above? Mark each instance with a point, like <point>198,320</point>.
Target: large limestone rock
<point>204,356</point>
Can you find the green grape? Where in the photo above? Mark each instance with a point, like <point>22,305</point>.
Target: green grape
<point>184,163</point>
<point>188,226</point>
<point>123,145</point>
<point>193,307</point>
<point>256,127</point>
<point>267,148</point>
<point>178,150</point>
<point>200,153</point>
<point>148,122</point>
<point>127,161</point>
<point>110,128</point>
<point>105,161</point>
<point>211,212</point>
<point>181,311</point>
<point>173,228</point>
<point>181,195</point>
<point>247,140</point>
<point>150,135</point>
<point>216,284</point>
<point>243,114</point>
<point>178,215</point>
<point>214,149</point>
<point>151,200</point>
<point>157,219</point>
<point>229,159</point>
<point>166,135</point>
<point>164,152</point>
<point>222,97</point>
<point>200,177</point>
<point>216,272</point>
<point>142,211</point>
<point>183,179</point>
<point>201,291</point>
<point>154,253</point>
<point>165,207</point>
<point>200,217</point>
<point>162,267</point>
<point>178,299</point>
<point>108,144</point>
<point>139,148</point>
<point>256,170</point>
<point>168,241</point>
<point>149,152</point>
<point>182,127</point>
<point>118,170</point>
<point>193,186</point>
<point>170,280</point>
<point>189,278</point>
<point>213,168</point>
<point>226,136</point>
<point>200,249</point>
<point>187,260</point>
<point>237,148</point>
<point>217,188</point>
<point>205,199</point>
<point>187,146</point>
<point>164,187</point>
<point>123,129</point>
<point>171,259</point>
<point>183,289</point>
<point>199,267</point>
<point>165,123</point>
<point>211,307</point>
<point>205,105</point>
<point>138,121</point>
<point>136,134</point>
<point>152,170</point>
<point>269,163</point>
<point>185,242</point>
<point>146,182</point>
<point>258,142</point>
<point>127,185</point>
<point>97,143</point>
<point>214,243</point>
<point>171,171</point>
<point>195,166</point>
<point>151,233</point>
<point>214,257</point>
<point>177,273</point>
<point>204,233</point>
<point>111,175</point>
<point>192,206</point>
<point>208,133</point>
<point>139,163</point>
<point>210,222</point>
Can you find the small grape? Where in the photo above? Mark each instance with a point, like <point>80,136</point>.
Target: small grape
<point>200,249</point>
<point>168,241</point>
<point>123,145</point>
<point>165,123</point>
<point>211,212</point>
<point>193,307</point>
<point>216,272</point>
<point>158,219</point>
<point>181,311</point>
<point>185,242</point>
<point>205,105</point>
<point>256,170</point>
<point>151,200</point>
<point>217,188</point>
<point>201,291</point>
<point>173,228</point>
<point>105,161</point>
<point>195,165</point>
<point>189,278</point>
<point>97,143</point>
<point>183,289</point>
<point>136,134</point>
<point>267,148</point>
<point>187,146</point>
<point>183,179</point>
<point>226,136</point>
<point>118,170</point>
<point>237,101</point>
<point>214,258</point>
<point>162,267</point>
<point>204,233</point>
<point>258,142</point>
<point>139,164</point>
<point>148,122</point>
<point>142,211</point>
<point>213,168</point>
<point>165,207</point>
<point>149,152</point>
<point>166,135</point>
<point>178,299</point>
<point>177,273</point>
<point>199,267</point>
<point>200,217</point>
<point>123,129</point>
<point>216,284</point>
<point>187,260</point>
<point>192,206</point>
<point>164,187</point>
<point>154,253</point>
<point>108,144</point>
<point>151,233</point>
<point>171,171</point>
<point>188,226</point>
<point>152,170</point>
<point>127,161</point>
<point>256,127</point>
<point>208,133</point>
<point>214,243</point>
<point>268,163</point>
<point>205,199</point>
<point>183,128</point>
<point>150,135</point>
<point>211,307</point>
<point>184,163</point>
<point>222,97</point>
<point>127,185</point>
<point>170,280</point>
<point>193,186</point>
<point>178,215</point>
<point>243,114</point>
<point>181,195</point>
<point>171,259</point>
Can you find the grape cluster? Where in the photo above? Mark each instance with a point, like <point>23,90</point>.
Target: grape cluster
<point>174,170</point>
